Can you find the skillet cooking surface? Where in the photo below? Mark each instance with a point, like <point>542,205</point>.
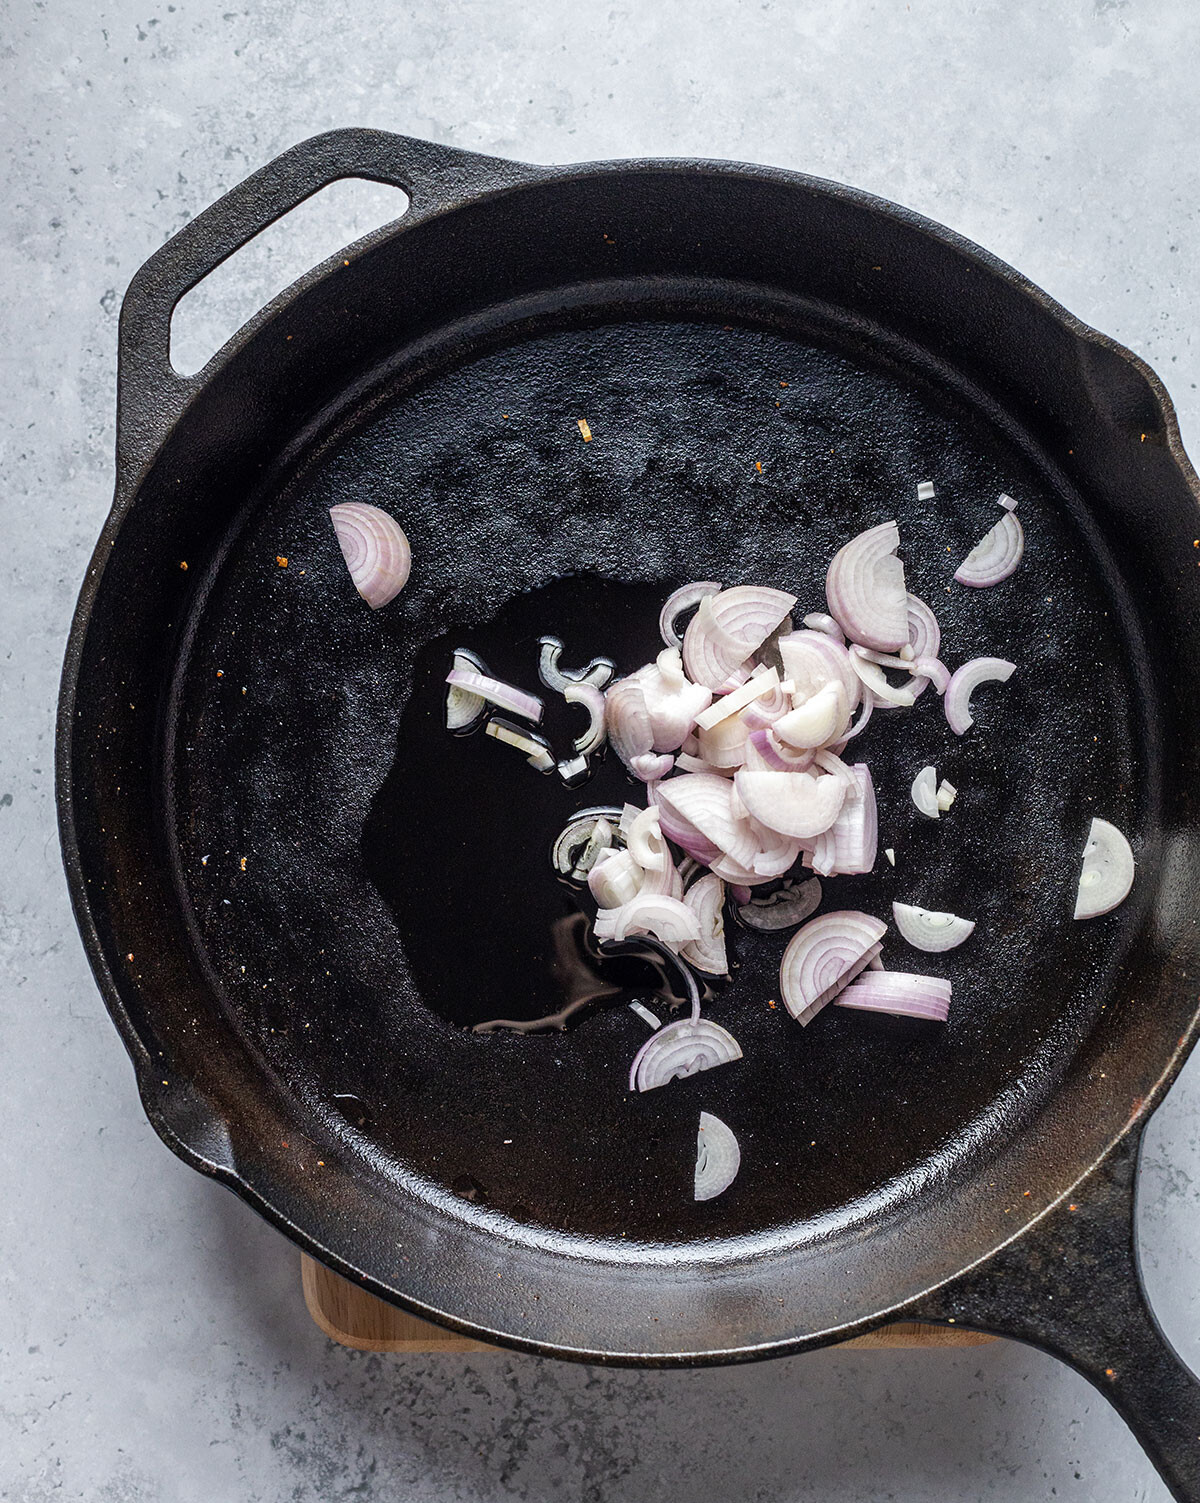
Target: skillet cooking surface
<point>397,886</point>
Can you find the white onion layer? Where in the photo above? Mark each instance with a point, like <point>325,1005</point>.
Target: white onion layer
<point>718,1158</point>
<point>963,683</point>
<point>929,930</point>
<point>1107,872</point>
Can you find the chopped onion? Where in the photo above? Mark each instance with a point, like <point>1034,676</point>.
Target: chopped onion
<point>790,803</point>
<point>718,1158</point>
<point>1006,502</point>
<point>628,719</point>
<point>550,649</point>
<point>645,842</point>
<point>963,683</point>
<point>776,855</point>
<point>574,770</point>
<point>850,845</point>
<point>375,549</point>
<point>464,710</point>
<point>931,931</point>
<point>811,660</point>
<point>877,681</point>
<point>924,792</point>
<point>681,1049</point>
<point>725,744</point>
<point>787,906</point>
<point>686,763</point>
<point>728,628</point>
<point>592,700</point>
<point>817,720</point>
<point>995,556</point>
<point>645,1014</point>
<point>757,686</point>
<point>899,993</point>
<point>683,600</point>
<point>706,899</point>
<point>946,795</point>
<point>823,957</point>
<point>702,801</point>
<point>864,715</point>
<point>504,696</point>
<point>734,874</point>
<point>864,589</point>
<point>581,840</point>
<point>765,752</point>
<point>655,913</point>
<point>931,670</point>
<point>891,855</point>
<point>615,879</point>
<point>1107,873</point>
<point>536,748</point>
<point>671,701</point>
<point>651,768</point>
<point>819,621</point>
<point>925,490</point>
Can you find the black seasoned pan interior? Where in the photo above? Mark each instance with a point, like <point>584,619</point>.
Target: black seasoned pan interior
<point>357,888</point>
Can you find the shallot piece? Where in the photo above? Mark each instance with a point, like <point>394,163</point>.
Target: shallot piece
<point>654,913</point>
<point>816,721</point>
<point>535,748</point>
<point>783,909</point>
<point>706,899</point>
<point>899,993</point>
<point>865,592</point>
<point>729,628</point>
<point>375,549</point>
<point>681,1049</point>
<point>702,801</point>
<point>811,660</point>
<point>996,555</point>
<point>615,879</point>
<point>924,792</point>
<point>682,600</point>
<point>592,700</point>
<point>946,794</point>
<point>825,956</point>
<point>963,683</point>
<point>718,1158</point>
<point>465,710</point>
<point>850,845</point>
<point>791,803</point>
<point>644,841</point>
<point>503,696</point>
<point>1107,872</point>
<point>930,931</point>
<point>550,649</point>
<point>581,840</point>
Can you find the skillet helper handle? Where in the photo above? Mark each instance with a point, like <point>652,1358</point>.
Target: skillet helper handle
<point>1071,1286</point>
<point>150,392</point>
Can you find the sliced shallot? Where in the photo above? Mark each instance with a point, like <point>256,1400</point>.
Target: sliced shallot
<point>706,899</point>
<point>824,956</point>
<point>789,905</point>
<point>963,683</point>
<point>592,700</point>
<point>681,1049</point>
<point>464,710</point>
<point>864,589</point>
<point>644,841</point>
<point>873,676</point>
<point>899,993</point>
<point>615,879</point>
<point>996,555</point>
<point>702,800</point>
<point>791,803</point>
<point>682,600</point>
<point>375,549</point>
<point>850,845</point>
<point>503,696</point>
<point>929,930</point>
<point>550,649</point>
<point>655,913</point>
<point>1107,873</point>
<point>718,1158</point>
<point>924,792</point>
<point>536,748</point>
<point>728,628</point>
<point>817,720</point>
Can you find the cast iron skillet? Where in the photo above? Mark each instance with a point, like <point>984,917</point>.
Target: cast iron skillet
<point>296,890</point>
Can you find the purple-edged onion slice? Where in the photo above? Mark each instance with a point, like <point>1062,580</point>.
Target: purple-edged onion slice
<point>928,671</point>
<point>865,591</point>
<point>627,719</point>
<point>899,993</point>
<point>706,899</point>
<point>784,908</point>
<point>929,930</point>
<point>503,696</point>
<point>850,845</point>
<point>824,956</point>
<point>766,753</point>
<point>963,683</point>
<point>1107,873</point>
<point>728,628</point>
<point>681,1049</point>
<point>464,710</point>
<point>655,913</point>
<point>873,676</point>
<point>819,621</point>
<point>995,556</point>
<point>644,841</point>
<point>375,549</point>
<point>811,660</point>
<point>790,803</point>
<point>702,800</point>
<point>682,600</point>
<point>718,1158</point>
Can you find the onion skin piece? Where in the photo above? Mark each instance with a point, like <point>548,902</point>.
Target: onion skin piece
<point>1107,872</point>
<point>930,931</point>
<point>864,589</point>
<point>963,683</point>
<point>995,556</point>
<point>375,549</point>
<point>824,956</point>
<point>718,1158</point>
<point>681,1049</point>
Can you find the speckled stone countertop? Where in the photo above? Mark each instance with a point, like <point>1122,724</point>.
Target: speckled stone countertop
<point>154,1346</point>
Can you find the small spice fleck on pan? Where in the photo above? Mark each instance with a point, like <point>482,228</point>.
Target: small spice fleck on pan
<point>585,430</point>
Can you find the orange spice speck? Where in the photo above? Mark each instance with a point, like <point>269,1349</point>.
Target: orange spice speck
<point>1108,1373</point>
<point>1143,438</point>
<point>243,863</point>
<point>1072,1207</point>
<point>783,383</point>
<point>345,263</point>
<point>183,563</point>
<point>585,430</point>
<point>129,956</point>
<point>220,673</point>
<point>758,465</point>
<point>1026,1192</point>
<point>281,560</point>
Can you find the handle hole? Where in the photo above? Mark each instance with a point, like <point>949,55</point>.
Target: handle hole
<point>211,313</point>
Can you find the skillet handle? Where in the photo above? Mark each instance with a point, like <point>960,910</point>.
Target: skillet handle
<point>1071,1286</point>
<point>150,393</point>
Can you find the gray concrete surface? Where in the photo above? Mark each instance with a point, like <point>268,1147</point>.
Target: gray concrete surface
<point>155,1348</point>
